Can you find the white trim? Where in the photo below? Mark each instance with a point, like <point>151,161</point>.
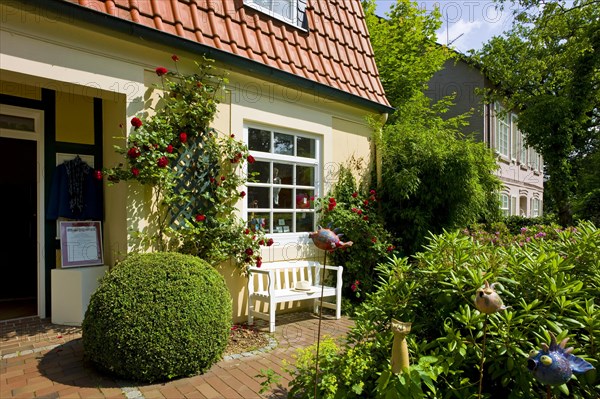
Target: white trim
<point>294,12</point>
<point>38,136</point>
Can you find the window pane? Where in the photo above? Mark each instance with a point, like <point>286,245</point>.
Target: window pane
<point>259,140</point>
<point>305,175</point>
<point>283,8</point>
<point>282,198</point>
<point>282,223</point>
<point>262,169</point>
<point>17,123</point>
<point>258,197</point>
<point>283,144</point>
<point>283,173</point>
<point>303,199</point>
<point>306,147</point>
<point>305,221</point>
<point>259,221</point>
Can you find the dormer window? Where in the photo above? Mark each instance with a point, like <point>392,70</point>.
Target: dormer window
<point>291,11</point>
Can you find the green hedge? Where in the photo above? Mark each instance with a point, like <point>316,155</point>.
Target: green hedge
<point>158,316</point>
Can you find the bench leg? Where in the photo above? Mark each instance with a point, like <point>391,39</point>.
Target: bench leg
<point>316,306</point>
<point>250,312</point>
<point>272,307</point>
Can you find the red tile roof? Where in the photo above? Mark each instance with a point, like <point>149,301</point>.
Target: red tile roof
<point>335,51</point>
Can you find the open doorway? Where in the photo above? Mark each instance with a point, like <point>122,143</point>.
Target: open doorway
<point>19,232</point>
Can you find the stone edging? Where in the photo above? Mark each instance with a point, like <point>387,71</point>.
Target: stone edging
<point>272,344</point>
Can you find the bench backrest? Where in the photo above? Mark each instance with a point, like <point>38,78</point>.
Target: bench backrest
<point>285,274</point>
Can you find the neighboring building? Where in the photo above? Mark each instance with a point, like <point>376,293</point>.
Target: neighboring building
<point>301,72</point>
<point>520,167</point>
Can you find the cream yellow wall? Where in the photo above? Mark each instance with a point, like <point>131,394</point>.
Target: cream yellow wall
<point>22,90</point>
<point>74,118</point>
<point>93,63</point>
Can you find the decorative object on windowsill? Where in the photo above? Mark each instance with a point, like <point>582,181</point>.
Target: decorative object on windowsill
<point>554,364</point>
<point>487,301</point>
<point>328,240</point>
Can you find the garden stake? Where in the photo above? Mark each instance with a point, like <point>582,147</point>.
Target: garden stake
<point>319,328</point>
<point>485,322</point>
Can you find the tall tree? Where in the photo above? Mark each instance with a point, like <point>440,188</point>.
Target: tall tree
<point>547,67</point>
<point>433,178</point>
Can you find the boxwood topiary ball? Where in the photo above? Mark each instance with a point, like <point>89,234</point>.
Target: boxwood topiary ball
<point>158,316</point>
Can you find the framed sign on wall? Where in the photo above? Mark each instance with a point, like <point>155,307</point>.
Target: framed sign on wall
<point>81,244</point>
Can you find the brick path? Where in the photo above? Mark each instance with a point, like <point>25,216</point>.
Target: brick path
<point>43,360</point>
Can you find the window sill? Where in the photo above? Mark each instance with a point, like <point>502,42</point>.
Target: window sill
<point>282,239</point>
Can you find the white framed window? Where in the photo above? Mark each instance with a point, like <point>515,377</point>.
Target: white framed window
<point>513,206</point>
<point>535,207</point>
<point>515,140</point>
<point>502,132</point>
<point>533,159</point>
<point>287,179</point>
<point>504,205</point>
<point>290,11</point>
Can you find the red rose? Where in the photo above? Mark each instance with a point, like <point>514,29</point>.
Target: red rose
<point>261,242</point>
<point>366,202</point>
<point>134,152</point>
<point>162,162</point>
<point>312,199</point>
<point>269,242</point>
<point>354,194</point>
<point>98,174</point>
<point>200,218</point>
<point>390,248</point>
<point>365,218</point>
<point>135,172</point>
<point>174,57</point>
<point>170,149</point>
<point>247,231</point>
<point>372,192</point>
<point>249,251</point>
<point>243,194</point>
<point>258,261</point>
<point>212,179</point>
<point>160,71</point>
<point>222,178</point>
<point>251,159</point>
<point>331,200</point>
<point>374,240</point>
<point>232,135</point>
<point>136,122</point>
<point>183,137</point>
<point>248,260</point>
<point>198,84</point>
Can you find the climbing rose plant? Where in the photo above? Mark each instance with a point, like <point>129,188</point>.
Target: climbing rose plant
<point>194,171</point>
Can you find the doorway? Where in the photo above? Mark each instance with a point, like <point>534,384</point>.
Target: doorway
<point>19,233</point>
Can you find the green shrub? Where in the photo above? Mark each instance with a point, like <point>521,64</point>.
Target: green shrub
<point>550,285</point>
<point>158,316</point>
<point>356,215</point>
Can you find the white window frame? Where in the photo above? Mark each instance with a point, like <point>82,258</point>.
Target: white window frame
<point>291,19</point>
<point>515,138</point>
<point>502,132</point>
<point>289,159</point>
<point>504,204</point>
<point>535,207</point>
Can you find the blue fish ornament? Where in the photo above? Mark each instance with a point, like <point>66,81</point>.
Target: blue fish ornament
<point>555,365</point>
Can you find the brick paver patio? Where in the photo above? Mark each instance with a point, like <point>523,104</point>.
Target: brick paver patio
<point>43,360</point>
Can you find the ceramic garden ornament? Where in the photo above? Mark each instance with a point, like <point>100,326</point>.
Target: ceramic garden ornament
<point>555,365</point>
<point>487,299</point>
<point>328,240</point>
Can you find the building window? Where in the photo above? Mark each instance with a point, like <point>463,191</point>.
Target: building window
<point>287,176</point>
<point>502,132</point>
<point>290,11</point>
<point>535,207</point>
<point>533,159</point>
<point>504,205</point>
<point>515,138</point>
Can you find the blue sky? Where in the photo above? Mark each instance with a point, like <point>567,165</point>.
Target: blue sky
<point>471,23</point>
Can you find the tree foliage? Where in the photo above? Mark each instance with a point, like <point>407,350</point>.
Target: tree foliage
<point>433,177</point>
<point>548,68</point>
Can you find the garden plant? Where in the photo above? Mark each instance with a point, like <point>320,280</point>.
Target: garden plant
<point>549,284</point>
<point>158,316</point>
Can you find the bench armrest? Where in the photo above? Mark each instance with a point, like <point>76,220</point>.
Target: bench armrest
<point>270,279</point>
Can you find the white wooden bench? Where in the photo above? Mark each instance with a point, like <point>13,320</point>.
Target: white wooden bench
<point>275,283</point>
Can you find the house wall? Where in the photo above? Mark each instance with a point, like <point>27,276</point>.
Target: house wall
<point>46,51</point>
<point>460,80</point>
